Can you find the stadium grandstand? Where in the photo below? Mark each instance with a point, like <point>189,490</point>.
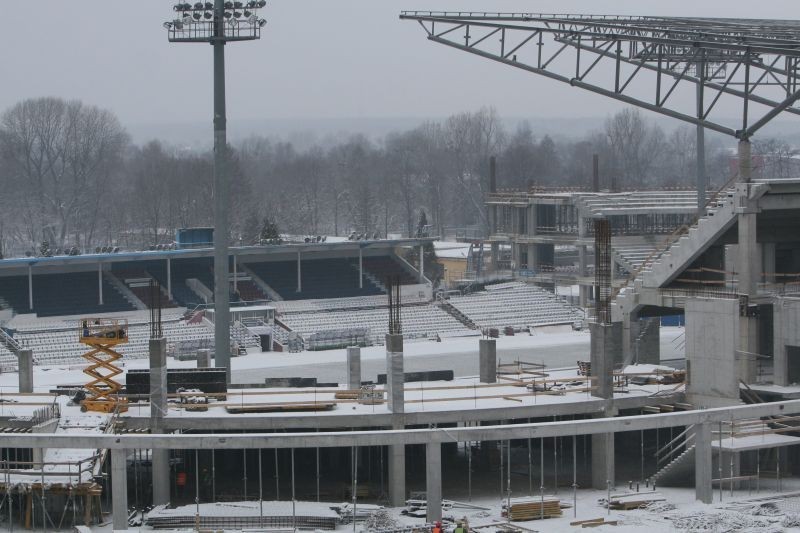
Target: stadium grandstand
<point>325,295</point>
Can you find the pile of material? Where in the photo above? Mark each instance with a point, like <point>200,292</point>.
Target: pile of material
<point>244,515</point>
<point>594,522</point>
<point>523,509</point>
<point>633,500</point>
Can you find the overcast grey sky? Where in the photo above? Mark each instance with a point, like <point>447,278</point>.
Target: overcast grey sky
<point>317,59</point>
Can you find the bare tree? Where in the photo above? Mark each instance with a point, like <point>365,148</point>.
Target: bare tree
<point>63,158</point>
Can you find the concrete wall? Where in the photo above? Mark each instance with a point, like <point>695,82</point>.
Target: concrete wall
<point>786,319</point>
<point>712,336</point>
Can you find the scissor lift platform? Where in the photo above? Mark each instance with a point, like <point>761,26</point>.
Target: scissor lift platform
<point>102,335</point>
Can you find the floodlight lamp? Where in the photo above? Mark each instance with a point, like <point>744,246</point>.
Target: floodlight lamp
<point>228,14</point>
<point>208,15</point>
<point>251,4</point>
<point>177,24</point>
<point>251,19</point>
<point>237,14</point>
<point>168,25</point>
<point>210,6</point>
<point>262,23</point>
<point>262,3</point>
<point>228,5</point>
<point>197,16</point>
<point>198,6</point>
<point>247,13</point>
<point>187,20</point>
<point>238,5</point>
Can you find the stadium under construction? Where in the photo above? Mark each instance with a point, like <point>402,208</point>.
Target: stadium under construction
<point>348,378</point>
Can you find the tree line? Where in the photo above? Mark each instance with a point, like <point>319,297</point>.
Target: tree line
<point>71,176</point>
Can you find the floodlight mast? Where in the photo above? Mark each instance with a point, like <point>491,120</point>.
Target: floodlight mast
<point>217,24</point>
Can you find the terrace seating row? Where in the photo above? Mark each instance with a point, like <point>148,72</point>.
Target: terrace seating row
<point>62,294</point>
<point>321,278</point>
<point>518,305</point>
<point>419,321</point>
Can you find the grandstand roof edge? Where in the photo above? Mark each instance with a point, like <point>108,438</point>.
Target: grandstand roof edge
<point>238,251</point>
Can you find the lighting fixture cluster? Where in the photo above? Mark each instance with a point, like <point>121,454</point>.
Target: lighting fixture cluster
<point>235,12</point>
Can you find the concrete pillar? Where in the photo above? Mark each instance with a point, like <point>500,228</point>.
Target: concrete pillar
<point>235,275</point>
<point>433,480</point>
<point>422,264</point>
<point>203,358</point>
<point>119,489</point>
<point>495,251</point>
<point>360,268</point>
<point>487,361</point>
<point>100,282</point>
<point>354,368</point>
<point>394,374</point>
<point>605,350</point>
<point>703,475</point>
<point>169,278</point>
<point>397,473</point>
<point>649,341</point>
<point>158,410</point>
<point>603,466</point>
<point>299,275</point>
<point>30,287</point>
<point>605,345</point>
<point>25,364</point>
<point>395,397</point>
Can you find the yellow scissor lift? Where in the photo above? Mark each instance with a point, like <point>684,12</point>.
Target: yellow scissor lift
<point>103,335</point>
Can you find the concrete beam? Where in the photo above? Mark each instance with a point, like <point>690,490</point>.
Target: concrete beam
<point>580,406</point>
<point>405,436</point>
<point>433,481</point>
<point>119,489</point>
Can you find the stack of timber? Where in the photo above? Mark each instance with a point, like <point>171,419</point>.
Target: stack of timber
<point>633,500</point>
<point>523,509</point>
<point>594,522</point>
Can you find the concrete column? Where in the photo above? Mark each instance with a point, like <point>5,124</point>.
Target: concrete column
<point>649,341</point>
<point>703,475</point>
<point>119,489</point>
<point>394,373</point>
<point>397,473</point>
<point>25,364</point>
<point>354,368</point>
<point>603,466</point>
<point>30,287</point>
<point>395,396</point>
<point>100,282</point>
<point>235,275</point>
<point>203,358</point>
<point>433,480</point>
<point>495,251</point>
<point>487,361</point>
<point>533,257</point>
<point>299,275</point>
<point>158,410</point>
<point>422,264</point>
<point>360,268</point>
<point>605,348</point>
<point>169,278</point>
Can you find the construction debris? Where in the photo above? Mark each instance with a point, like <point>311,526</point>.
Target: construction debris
<point>633,500</point>
<point>523,509</point>
<point>379,520</point>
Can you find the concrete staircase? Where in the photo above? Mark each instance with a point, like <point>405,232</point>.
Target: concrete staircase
<point>450,309</point>
<point>680,251</point>
<point>370,277</point>
<point>679,471</point>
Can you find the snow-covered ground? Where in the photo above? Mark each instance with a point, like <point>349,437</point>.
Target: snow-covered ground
<point>744,511</point>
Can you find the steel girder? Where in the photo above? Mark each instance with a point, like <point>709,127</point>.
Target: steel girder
<point>750,65</point>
